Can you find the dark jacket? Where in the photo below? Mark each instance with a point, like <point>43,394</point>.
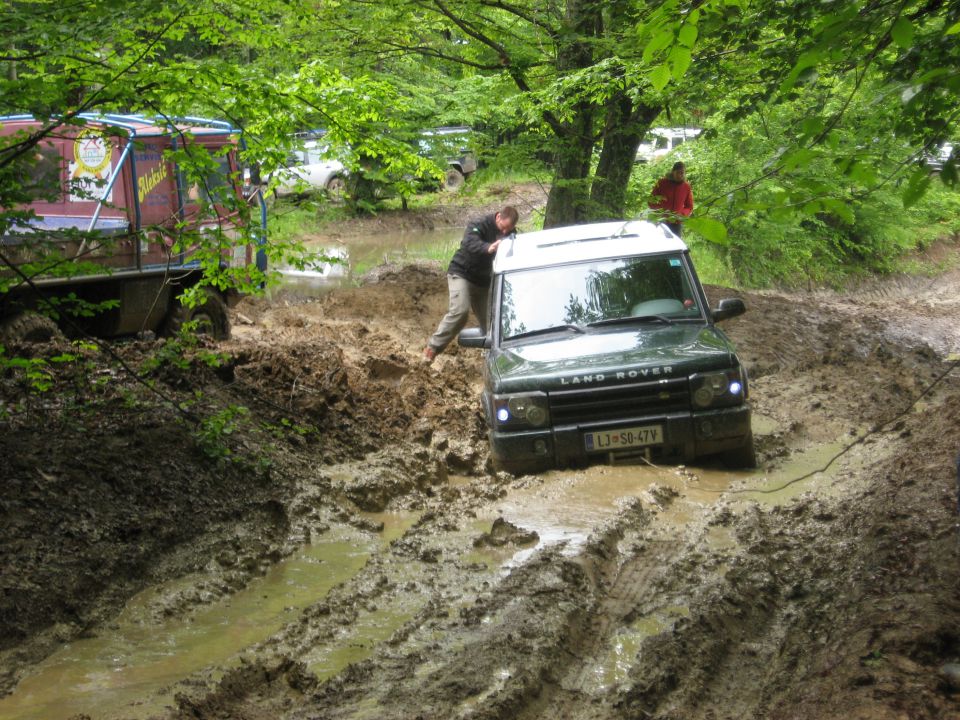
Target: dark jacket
<point>472,261</point>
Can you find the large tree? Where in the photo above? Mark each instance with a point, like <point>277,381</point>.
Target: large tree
<point>593,75</point>
<point>572,68</point>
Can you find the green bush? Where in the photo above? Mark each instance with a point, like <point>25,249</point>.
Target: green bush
<point>807,218</point>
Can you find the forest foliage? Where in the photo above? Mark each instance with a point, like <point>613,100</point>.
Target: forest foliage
<point>818,116</point>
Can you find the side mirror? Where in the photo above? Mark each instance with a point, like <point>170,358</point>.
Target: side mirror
<point>473,338</point>
<point>728,308</point>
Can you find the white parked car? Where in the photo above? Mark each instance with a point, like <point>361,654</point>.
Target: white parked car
<point>660,141</point>
<point>940,155</point>
<point>308,168</point>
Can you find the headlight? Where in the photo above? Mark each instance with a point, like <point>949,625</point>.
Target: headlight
<point>519,411</point>
<point>718,389</point>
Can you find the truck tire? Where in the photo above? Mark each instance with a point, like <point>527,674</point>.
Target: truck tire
<point>743,458</point>
<point>212,319</point>
<point>29,327</point>
<point>453,180</point>
<point>336,186</point>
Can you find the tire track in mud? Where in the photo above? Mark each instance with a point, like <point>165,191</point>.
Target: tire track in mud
<point>577,688</point>
<point>705,631</point>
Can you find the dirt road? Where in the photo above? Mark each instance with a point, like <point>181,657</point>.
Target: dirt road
<point>344,485</point>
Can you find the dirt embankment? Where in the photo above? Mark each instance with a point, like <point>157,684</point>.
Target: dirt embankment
<point>832,597</point>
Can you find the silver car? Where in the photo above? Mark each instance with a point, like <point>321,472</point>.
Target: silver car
<point>309,169</point>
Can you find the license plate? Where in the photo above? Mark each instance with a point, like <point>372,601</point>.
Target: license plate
<point>624,438</point>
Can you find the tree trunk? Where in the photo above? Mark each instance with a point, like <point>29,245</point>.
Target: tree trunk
<point>624,129</point>
<point>569,198</point>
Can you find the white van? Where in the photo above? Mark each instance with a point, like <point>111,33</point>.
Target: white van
<point>660,141</point>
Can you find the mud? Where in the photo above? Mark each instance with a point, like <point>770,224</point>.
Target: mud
<point>824,585</point>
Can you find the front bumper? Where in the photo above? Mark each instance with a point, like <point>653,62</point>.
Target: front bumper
<point>686,436</point>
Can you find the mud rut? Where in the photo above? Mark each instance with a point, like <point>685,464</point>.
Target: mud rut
<point>834,596</point>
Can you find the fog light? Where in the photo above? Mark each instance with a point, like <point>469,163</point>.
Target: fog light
<point>539,447</point>
<point>536,415</point>
<point>706,428</point>
<point>703,396</point>
<point>503,415</point>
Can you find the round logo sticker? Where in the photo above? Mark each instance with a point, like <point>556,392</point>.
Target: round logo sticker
<point>92,151</point>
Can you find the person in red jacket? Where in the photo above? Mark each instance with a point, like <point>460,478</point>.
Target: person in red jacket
<point>673,196</point>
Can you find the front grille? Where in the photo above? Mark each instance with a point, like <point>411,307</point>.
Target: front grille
<point>597,404</point>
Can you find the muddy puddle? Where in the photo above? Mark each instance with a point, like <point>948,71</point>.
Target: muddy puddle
<point>566,507</point>
<point>626,647</point>
<point>330,266</point>
<point>129,669</point>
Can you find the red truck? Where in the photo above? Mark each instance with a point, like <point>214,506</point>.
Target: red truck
<point>106,237</point>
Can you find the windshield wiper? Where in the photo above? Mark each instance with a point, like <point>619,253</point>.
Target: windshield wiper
<point>544,331</point>
<point>629,319</point>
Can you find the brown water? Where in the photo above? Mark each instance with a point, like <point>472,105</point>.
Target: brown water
<point>565,507</point>
<point>123,671</point>
<point>126,670</point>
<point>336,265</point>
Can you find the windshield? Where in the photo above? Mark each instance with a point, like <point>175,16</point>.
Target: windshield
<point>579,294</point>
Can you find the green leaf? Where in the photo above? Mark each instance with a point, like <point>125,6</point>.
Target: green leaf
<point>712,230</point>
<point>857,171</point>
<point>916,187</point>
<point>687,36</point>
<point>798,158</point>
<point>902,33</point>
<point>807,61</point>
<point>812,126</point>
<point>840,208</point>
<point>953,29</point>
<point>680,59</point>
<point>660,77</point>
<point>661,40</point>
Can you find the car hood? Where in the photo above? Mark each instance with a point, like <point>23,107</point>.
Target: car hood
<point>610,357</point>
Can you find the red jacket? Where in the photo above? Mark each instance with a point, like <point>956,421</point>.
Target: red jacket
<point>674,197</point>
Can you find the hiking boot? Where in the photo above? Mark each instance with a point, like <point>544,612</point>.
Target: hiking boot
<point>429,355</point>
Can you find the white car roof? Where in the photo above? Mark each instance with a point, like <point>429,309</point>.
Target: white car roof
<point>575,243</point>
<point>669,132</point>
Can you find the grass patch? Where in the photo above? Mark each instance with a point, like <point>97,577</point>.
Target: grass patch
<point>713,267</point>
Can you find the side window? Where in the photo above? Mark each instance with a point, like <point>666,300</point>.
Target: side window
<point>219,178</point>
<point>662,142</point>
<point>216,185</point>
<point>40,174</point>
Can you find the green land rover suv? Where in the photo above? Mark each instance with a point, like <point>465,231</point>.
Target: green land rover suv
<point>602,348</point>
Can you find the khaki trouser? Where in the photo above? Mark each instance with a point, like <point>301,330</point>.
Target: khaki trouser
<point>464,297</point>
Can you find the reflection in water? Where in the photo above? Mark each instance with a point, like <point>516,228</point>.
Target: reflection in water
<point>123,671</point>
<point>627,645</point>
<point>129,669</point>
<point>567,506</point>
<point>329,266</point>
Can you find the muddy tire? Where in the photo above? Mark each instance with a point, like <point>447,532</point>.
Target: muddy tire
<point>28,327</point>
<point>211,317</point>
<point>336,187</point>
<point>744,457</point>
<point>453,180</point>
